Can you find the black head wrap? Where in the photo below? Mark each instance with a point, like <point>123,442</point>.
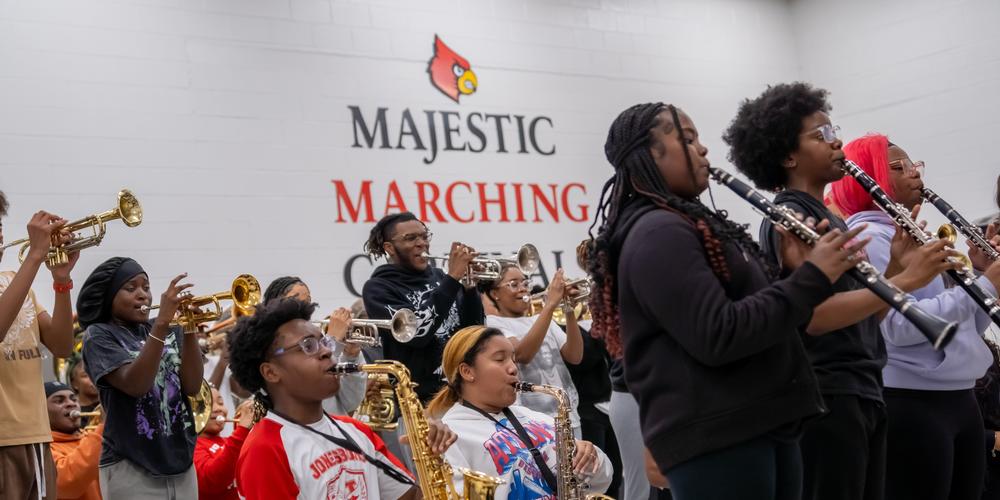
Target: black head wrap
<point>54,387</point>
<point>93,305</point>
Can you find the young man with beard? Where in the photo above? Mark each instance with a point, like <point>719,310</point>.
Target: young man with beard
<point>76,451</point>
<point>438,298</point>
<point>298,450</point>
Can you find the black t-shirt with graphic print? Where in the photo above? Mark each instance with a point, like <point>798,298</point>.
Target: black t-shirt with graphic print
<point>154,431</point>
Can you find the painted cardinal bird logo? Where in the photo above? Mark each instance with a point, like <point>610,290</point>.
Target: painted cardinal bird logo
<point>450,72</point>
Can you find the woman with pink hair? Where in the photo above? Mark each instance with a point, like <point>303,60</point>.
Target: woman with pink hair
<point>935,442</point>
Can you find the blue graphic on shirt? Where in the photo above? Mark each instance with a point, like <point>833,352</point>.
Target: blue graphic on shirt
<point>511,457</point>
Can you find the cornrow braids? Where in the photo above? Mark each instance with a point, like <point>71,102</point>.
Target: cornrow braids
<point>280,286</point>
<point>637,180</point>
<point>382,231</point>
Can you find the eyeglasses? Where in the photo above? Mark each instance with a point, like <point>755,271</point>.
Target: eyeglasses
<point>515,285</point>
<point>413,237</point>
<point>908,167</point>
<point>828,132</point>
<point>309,345</point>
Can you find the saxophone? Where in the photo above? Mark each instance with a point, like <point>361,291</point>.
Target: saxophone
<point>433,472</point>
<point>568,484</point>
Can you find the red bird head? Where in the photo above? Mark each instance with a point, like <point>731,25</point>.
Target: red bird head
<point>450,72</point>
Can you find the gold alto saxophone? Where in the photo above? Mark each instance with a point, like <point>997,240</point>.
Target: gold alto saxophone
<point>433,472</point>
<point>569,486</point>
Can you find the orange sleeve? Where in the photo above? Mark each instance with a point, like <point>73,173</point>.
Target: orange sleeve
<point>76,463</point>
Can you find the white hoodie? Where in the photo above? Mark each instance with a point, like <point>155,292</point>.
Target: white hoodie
<point>497,451</point>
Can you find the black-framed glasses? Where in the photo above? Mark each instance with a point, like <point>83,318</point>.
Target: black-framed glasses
<point>309,345</point>
<point>515,285</point>
<point>907,166</point>
<point>828,132</point>
<point>413,237</point>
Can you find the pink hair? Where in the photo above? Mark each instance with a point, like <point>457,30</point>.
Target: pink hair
<point>871,153</point>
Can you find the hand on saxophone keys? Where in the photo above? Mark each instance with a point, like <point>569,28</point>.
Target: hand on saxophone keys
<point>585,462</point>
<point>439,436</point>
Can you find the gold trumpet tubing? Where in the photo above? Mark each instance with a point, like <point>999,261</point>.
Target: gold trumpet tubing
<point>948,233</point>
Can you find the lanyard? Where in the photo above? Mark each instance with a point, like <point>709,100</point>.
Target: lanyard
<point>349,443</point>
<point>547,474</point>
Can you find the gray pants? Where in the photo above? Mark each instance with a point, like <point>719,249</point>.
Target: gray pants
<point>625,423</point>
<point>126,480</point>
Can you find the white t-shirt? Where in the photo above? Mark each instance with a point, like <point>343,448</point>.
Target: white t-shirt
<point>282,460</point>
<point>497,451</point>
<point>547,367</point>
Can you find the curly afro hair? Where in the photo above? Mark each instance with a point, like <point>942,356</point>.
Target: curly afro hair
<point>253,336</point>
<point>766,130</point>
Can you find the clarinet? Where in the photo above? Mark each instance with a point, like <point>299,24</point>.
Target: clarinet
<point>971,231</point>
<point>901,217</point>
<point>938,331</point>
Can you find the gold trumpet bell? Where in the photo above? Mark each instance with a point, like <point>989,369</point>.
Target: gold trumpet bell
<point>948,233</point>
<point>128,209</point>
<point>201,407</point>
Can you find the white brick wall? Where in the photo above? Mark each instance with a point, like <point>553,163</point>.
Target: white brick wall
<point>924,72</point>
<point>229,117</point>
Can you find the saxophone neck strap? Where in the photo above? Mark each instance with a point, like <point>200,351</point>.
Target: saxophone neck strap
<point>347,442</point>
<point>550,478</point>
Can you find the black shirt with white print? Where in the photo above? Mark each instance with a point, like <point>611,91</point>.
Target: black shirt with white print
<point>442,307</point>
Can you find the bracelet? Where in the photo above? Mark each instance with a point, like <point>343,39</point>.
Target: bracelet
<point>62,287</point>
<point>157,339</point>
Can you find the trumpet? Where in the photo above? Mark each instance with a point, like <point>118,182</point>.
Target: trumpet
<point>402,326</point>
<point>128,210</point>
<point>488,269</point>
<point>94,417</point>
<point>959,224</point>
<point>582,294</point>
<point>244,292</point>
<point>85,414</point>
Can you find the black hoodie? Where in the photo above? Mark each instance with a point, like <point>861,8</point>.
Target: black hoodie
<point>712,363</point>
<point>442,307</point>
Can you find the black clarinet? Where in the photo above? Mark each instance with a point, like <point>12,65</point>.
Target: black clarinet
<point>968,229</point>
<point>901,216</point>
<point>938,331</point>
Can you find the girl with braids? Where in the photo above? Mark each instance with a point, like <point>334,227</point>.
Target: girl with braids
<point>497,436</point>
<point>438,299</point>
<point>784,141</point>
<point>709,343</point>
<point>298,450</point>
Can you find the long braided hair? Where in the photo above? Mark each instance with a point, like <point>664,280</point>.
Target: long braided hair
<point>637,181</point>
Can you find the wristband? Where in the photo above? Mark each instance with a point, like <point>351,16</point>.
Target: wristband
<point>158,339</point>
<point>62,287</point>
